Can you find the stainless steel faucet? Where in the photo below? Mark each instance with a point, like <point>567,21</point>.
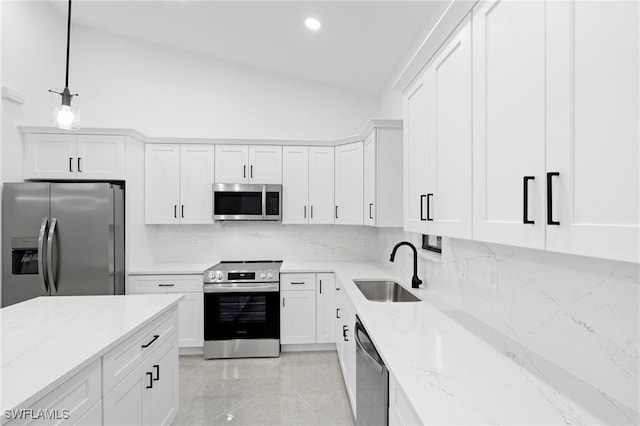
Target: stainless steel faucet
<point>415,281</point>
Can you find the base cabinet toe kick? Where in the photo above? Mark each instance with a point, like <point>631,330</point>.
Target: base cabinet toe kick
<point>135,383</point>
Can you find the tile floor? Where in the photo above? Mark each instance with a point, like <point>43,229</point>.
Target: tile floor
<point>299,388</point>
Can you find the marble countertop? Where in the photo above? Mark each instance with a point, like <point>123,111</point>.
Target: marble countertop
<point>456,370</point>
<point>171,268</point>
<point>46,340</point>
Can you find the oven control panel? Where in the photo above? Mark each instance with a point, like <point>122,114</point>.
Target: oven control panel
<point>229,272</point>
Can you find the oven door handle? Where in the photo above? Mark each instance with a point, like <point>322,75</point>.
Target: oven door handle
<point>241,288</point>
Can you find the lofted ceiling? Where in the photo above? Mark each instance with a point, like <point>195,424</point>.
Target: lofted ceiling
<point>358,47</point>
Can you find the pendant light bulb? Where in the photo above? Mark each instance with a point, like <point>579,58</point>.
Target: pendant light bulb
<point>65,117</point>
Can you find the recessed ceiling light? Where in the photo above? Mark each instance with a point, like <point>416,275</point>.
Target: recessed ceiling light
<point>312,23</point>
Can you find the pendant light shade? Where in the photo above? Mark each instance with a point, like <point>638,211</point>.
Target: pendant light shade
<point>64,105</point>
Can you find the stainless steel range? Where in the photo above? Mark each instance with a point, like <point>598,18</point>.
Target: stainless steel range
<point>242,309</point>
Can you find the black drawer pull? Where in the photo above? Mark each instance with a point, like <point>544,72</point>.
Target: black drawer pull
<point>345,329</point>
<point>550,220</point>
<point>298,283</point>
<point>337,312</point>
<point>150,385</point>
<point>157,368</point>
<point>155,337</point>
<point>525,207</point>
<point>166,285</point>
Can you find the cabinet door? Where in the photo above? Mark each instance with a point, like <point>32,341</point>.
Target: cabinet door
<point>100,157</point>
<point>450,143</point>
<point>297,316</point>
<point>325,308</point>
<point>127,404</point>
<point>349,181</point>
<point>232,163</point>
<point>416,127</point>
<point>196,183</point>
<point>265,164</point>
<point>191,320</point>
<point>161,184</point>
<point>509,121</point>
<point>370,170</point>
<point>321,184</point>
<point>295,184</point>
<point>592,139</point>
<point>162,403</point>
<point>50,156</point>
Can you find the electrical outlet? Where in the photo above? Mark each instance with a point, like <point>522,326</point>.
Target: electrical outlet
<point>365,240</point>
<point>195,241</point>
<point>462,269</point>
<point>492,277</point>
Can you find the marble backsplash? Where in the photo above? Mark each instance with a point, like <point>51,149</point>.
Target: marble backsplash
<point>251,241</point>
<point>582,314</point>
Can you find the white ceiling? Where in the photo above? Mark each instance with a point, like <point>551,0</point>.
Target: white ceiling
<point>358,47</point>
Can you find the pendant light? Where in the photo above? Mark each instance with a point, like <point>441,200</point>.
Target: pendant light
<point>64,105</point>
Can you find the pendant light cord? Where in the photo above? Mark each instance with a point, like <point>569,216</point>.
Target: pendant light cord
<point>66,82</point>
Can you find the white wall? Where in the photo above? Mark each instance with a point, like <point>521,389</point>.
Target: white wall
<point>580,313</point>
<point>165,92</point>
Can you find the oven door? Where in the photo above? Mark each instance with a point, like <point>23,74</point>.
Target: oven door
<point>242,315</point>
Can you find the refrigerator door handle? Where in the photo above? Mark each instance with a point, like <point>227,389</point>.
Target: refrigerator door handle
<point>41,241</point>
<point>52,280</point>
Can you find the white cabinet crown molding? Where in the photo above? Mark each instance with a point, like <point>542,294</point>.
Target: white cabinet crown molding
<point>83,131</point>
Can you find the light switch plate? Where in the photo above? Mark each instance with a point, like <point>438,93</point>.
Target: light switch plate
<point>492,277</point>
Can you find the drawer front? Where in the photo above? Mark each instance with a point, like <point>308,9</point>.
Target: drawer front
<point>69,402</point>
<point>125,357</point>
<point>297,282</point>
<point>164,283</point>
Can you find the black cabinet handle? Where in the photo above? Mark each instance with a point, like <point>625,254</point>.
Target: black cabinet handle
<point>157,368</point>
<point>422,197</point>
<point>429,218</point>
<point>71,164</point>
<point>305,212</point>
<point>320,286</point>
<point>79,158</point>
<point>337,312</point>
<point>244,171</point>
<point>150,385</point>
<point>370,207</point>
<point>166,285</point>
<point>525,196</point>
<point>283,302</point>
<point>550,220</point>
<point>175,211</point>
<point>345,329</point>
<point>155,337</point>
<point>312,211</point>
<point>182,211</point>
<point>251,171</point>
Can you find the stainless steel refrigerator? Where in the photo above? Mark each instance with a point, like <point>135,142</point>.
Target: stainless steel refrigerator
<point>61,239</point>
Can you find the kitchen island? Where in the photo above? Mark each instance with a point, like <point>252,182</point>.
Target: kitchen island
<point>90,360</point>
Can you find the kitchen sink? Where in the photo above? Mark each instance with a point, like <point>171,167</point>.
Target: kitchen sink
<point>384,291</point>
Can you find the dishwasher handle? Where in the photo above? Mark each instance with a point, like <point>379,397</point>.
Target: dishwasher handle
<point>360,331</point>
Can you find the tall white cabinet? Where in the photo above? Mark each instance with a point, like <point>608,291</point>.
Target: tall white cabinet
<point>178,183</point>
<point>307,183</point>
<point>349,184</point>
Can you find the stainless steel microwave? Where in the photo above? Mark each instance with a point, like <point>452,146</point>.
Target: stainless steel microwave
<point>242,201</point>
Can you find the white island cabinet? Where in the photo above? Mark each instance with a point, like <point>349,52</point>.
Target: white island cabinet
<point>90,360</point>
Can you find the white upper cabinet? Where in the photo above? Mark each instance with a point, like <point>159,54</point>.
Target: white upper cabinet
<point>383,204</point>
<point>74,157</point>
<point>232,162</point>
<point>321,184</point>
<point>592,134</point>
<point>349,184</point>
<point>295,184</point>
<point>448,200</point>
<point>178,183</point>
<point>509,122</point>
<point>196,183</point>
<point>162,183</point>
<point>260,164</point>
<point>416,126</point>
<point>265,164</point>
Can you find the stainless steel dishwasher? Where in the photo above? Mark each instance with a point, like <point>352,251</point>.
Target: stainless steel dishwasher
<point>372,382</point>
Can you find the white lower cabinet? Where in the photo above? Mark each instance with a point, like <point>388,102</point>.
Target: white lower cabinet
<point>307,308</point>
<point>401,412</point>
<point>190,309</point>
<point>345,344</point>
<point>149,394</point>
